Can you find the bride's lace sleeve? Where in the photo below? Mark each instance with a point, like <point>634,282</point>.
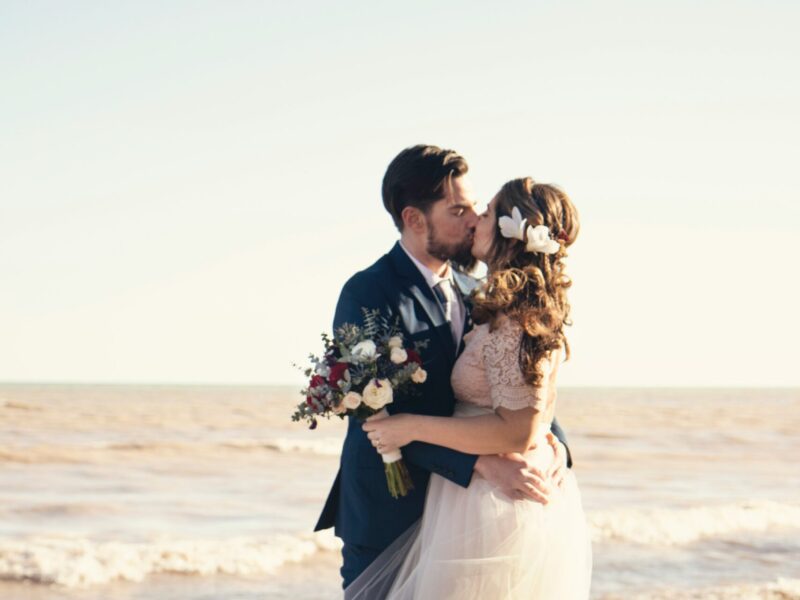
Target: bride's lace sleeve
<point>507,386</point>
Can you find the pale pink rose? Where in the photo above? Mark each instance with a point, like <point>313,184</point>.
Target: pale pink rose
<point>378,393</point>
<point>351,400</point>
<point>398,356</point>
<point>419,376</point>
<point>395,342</point>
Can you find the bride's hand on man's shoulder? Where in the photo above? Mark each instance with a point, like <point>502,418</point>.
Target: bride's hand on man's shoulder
<point>388,433</point>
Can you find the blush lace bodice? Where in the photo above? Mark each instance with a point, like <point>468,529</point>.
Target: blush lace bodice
<point>487,373</point>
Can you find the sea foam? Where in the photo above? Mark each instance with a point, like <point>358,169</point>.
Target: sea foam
<point>78,562</point>
<point>662,526</point>
<point>779,589</point>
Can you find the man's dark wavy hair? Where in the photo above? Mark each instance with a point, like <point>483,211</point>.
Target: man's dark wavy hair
<point>418,177</point>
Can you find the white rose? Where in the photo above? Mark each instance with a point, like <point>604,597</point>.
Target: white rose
<point>419,376</point>
<point>339,409</point>
<point>398,356</point>
<point>395,342</point>
<point>378,393</point>
<point>351,400</point>
<point>364,351</point>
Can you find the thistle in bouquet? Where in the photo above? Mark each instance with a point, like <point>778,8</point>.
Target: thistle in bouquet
<point>362,369</point>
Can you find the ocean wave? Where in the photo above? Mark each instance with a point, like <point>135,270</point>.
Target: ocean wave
<point>79,562</point>
<point>38,455</point>
<point>686,525</point>
<point>780,589</point>
<point>16,405</point>
<point>321,446</point>
<point>328,446</point>
<point>51,510</point>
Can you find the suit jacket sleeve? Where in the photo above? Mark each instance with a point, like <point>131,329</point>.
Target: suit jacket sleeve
<point>450,464</point>
<point>562,437</point>
<point>458,466</point>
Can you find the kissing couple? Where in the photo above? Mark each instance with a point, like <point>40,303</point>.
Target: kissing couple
<point>495,511</point>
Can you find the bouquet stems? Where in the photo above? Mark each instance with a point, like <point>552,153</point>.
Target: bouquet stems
<point>397,477</point>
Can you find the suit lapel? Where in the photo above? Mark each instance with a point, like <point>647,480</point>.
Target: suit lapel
<point>416,285</point>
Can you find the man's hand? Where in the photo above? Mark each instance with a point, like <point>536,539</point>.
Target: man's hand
<point>559,467</point>
<point>515,476</point>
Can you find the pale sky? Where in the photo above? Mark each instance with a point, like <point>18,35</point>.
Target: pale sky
<point>185,186</point>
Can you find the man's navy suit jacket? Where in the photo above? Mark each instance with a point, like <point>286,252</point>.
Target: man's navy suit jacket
<point>359,505</point>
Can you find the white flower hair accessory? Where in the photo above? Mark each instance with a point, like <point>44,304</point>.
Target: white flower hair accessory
<point>539,239</point>
<point>513,226</point>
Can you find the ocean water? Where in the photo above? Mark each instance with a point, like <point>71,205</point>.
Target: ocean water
<point>181,492</point>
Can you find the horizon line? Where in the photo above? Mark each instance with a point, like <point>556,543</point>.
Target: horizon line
<point>298,386</point>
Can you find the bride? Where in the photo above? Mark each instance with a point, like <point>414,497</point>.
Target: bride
<point>475,542</point>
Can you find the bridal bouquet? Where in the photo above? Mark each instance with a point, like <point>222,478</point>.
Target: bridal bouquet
<point>359,373</point>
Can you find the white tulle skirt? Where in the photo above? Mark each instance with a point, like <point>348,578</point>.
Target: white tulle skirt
<point>476,543</point>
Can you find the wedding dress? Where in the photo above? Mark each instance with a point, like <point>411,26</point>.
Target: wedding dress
<point>475,542</point>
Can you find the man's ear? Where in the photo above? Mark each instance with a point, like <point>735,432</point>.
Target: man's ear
<point>414,219</point>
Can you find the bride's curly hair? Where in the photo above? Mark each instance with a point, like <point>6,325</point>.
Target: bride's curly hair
<point>530,287</point>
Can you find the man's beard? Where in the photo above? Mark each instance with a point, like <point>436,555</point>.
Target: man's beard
<point>459,254</point>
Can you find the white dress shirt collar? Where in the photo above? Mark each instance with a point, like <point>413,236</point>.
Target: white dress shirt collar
<point>430,277</point>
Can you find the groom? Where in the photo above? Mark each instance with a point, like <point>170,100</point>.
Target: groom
<point>428,195</point>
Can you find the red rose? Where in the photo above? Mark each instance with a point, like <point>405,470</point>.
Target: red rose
<point>337,373</point>
<point>413,357</point>
<point>316,381</point>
